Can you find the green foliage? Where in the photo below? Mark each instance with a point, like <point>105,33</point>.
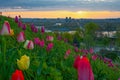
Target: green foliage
<point>45,65</point>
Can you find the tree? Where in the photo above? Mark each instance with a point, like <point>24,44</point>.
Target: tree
<point>89,34</point>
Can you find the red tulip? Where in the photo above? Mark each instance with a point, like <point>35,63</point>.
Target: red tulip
<point>16,19</point>
<point>21,37</point>
<point>5,29</point>
<point>84,69</point>
<point>17,75</point>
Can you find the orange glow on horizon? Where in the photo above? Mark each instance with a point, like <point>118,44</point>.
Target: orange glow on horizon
<point>63,14</point>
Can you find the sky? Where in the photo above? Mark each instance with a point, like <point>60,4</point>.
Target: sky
<point>58,8</point>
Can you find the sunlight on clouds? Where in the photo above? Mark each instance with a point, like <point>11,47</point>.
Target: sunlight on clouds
<point>63,14</point>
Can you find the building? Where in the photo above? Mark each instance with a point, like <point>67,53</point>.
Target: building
<point>0,13</point>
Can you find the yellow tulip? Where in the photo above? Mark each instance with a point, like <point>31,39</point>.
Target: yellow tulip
<point>11,32</point>
<point>23,63</point>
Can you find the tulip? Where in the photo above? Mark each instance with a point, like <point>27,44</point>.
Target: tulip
<point>24,27</point>
<point>36,40</point>
<point>110,64</point>
<point>107,60</point>
<point>16,19</point>
<point>17,75</point>
<point>65,40</point>
<point>23,63</point>
<point>20,24</point>
<point>84,69</point>
<point>42,29</point>
<point>41,43</point>
<point>59,37</point>
<point>11,32</point>
<point>5,29</point>
<point>29,44</point>
<point>94,57</point>
<point>91,50</point>
<point>67,53</point>
<point>32,27</point>
<point>35,30</point>
<point>21,37</point>
<point>49,38</point>
<point>49,46</point>
<point>119,79</point>
<point>76,49</point>
<point>84,51</point>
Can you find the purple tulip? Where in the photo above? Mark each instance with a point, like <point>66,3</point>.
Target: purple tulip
<point>16,19</point>
<point>35,30</point>
<point>19,24</point>
<point>59,37</point>
<point>42,29</point>
<point>24,27</point>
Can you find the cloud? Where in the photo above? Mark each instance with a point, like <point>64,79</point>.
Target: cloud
<point>72,5</point>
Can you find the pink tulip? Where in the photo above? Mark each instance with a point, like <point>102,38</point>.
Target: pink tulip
<point>119,79</point>
<point>5,29</point>
<point>84,69</point>
<point>91,50</point>
<point>21,37</point>
<point>49,38</point>
<point>65,40</point>
<point>29,44</point>
<point>76,49</point>
<point>107,60</point>
<point>94,57</point>
<point>110,64</point>
<point>67,53</point>
<point>41,43</point>
<point>36,40</point>
<point>49,46</point>
<point>16,19</point>
<point>84,51</point>
<point>42,29</point>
